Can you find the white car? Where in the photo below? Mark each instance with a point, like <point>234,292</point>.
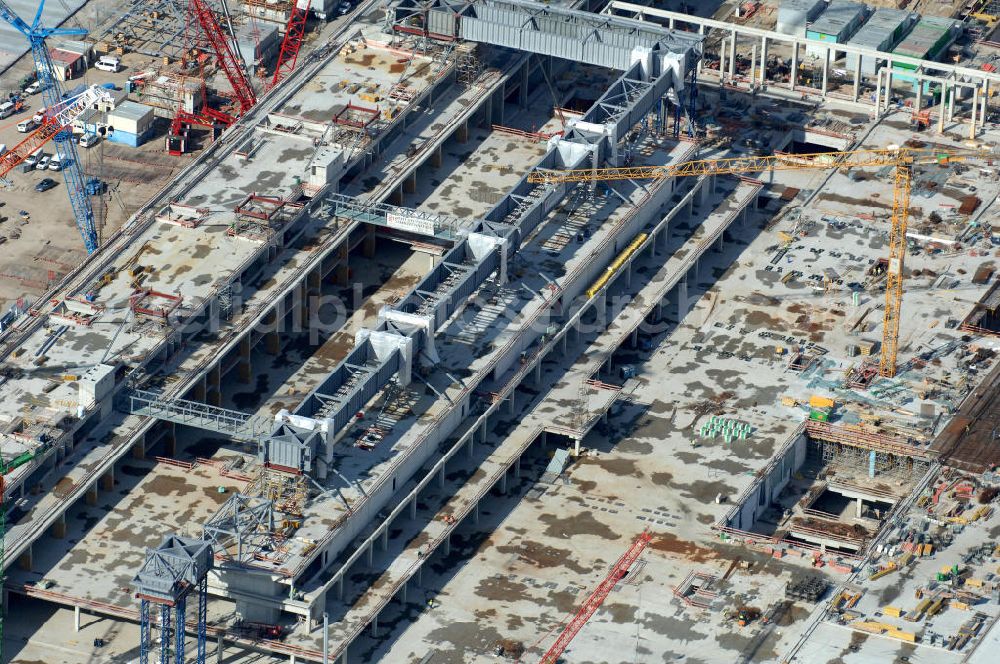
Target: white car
<point>56,163</point>
<point>109,63</point>
<point>33,88</point>
<point>43,163</point>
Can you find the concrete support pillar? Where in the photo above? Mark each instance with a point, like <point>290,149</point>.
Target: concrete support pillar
<point>447,544</point>
<point>763,61</point>
<point>860,508</point>
<point>441,477</point>
<point>385,538</point>
<point>213,380</point>
<point>722,60</point>
<point>503,483</point>
<point>396,197</point>
<point>244,367</point>
<point>58,529</point>
<point>918,102</point>
<point>752,77</point>
<point>974,116</point>
<point>410,184</point>
<point>471,447</point>
<point>340,588</point>
<point>138,450</point>
<point>462,133</point>
<point>413,508</point>
<point>522,93</point>
<point>953,93</point>
<point>826,71</point>
<point>517,468</point>
<point>888,84</point>
<point>475,514</point>
<point>272,343</point>
<point>857,80</point>
<point>682,296</point>
<point>169,439</point>
<point>108,479</point>
<point>793,76</point>
<point>371,555</point>
<point>76,619</point>
<point>943,110</point>
<point>732,56</point>
<point>437,158</point>
<point>375,627</point>
<point>986,98</point>
<point>576,447</point>
<point>25,561</point>
<point>91,496</point>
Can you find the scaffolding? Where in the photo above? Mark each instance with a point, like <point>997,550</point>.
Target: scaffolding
<point>875,454</point>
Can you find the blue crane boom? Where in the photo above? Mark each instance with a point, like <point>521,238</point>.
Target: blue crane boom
<point>51,92</point>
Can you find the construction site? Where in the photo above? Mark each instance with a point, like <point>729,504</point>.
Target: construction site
<point>569,331</point>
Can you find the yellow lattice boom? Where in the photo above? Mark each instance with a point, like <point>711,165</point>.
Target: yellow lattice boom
<point>902,158</point>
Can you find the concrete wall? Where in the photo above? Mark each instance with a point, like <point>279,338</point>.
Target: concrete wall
<point>766,488</point>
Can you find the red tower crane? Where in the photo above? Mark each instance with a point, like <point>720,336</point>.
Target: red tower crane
<point>226,57</point>
<point>294,34</point>
<point>596,598</point>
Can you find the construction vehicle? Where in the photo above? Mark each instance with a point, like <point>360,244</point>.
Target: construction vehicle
<point>54,128</point>
<point>903,159</point>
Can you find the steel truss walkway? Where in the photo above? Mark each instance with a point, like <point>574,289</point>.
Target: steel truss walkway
<point>250,428</point>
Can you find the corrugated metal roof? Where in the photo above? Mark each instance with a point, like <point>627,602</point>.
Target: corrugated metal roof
<point>838,15</point>
<point>132,111</point>
<point>923,36</point>
<point>880,26</point>
<point>802,5</point>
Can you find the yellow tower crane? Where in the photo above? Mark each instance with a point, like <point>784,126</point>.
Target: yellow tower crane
<point>903,159</point>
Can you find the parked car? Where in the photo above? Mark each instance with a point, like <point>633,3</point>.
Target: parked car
<point>109,63</point>
<point>33,158</point>
<point>56,163</point>
<point>7,109</point>
<point>43,162</point>
<point>89,140</point>
<point>344,8</point>
<point>33,88</point>
<point>45,185</point>
<point>39,116</point>
<point>24,126</point>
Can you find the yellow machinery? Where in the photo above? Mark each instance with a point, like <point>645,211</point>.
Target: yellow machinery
<point>902,158</point>
<point>616,264</point>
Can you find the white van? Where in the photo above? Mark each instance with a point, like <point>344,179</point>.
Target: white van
<point>6,110</point>
<point>89,139</point>
<point>109,63</point>
<point>33,158</point>
<point>24,126</point>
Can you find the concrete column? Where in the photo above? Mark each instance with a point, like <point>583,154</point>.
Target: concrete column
<point>385,538</point>
<point>471,447</point>
<point>576,447</point>
<point>441,477</point>
<point>986,98</point>
<point>682,294</point>
<point>138,449</point>
<point>58,529</point>
<point>503,483</point>
<point>447,544</point>
<point>919,101</point>
<point>462,133</point>
<point>371,555</point>
<point>826,71</point>
<point>108,479</point>
<point>272,343</point>
<point>953,93</point>
<point>888,84</point>
<point>475,514</point>
<point>763,60</point>
<point>860,508</point>
<point>245,366</point>
<point>410,184</point>
<point>793,76</point>
<point>944,97</point>
<point>722,60</point>
<point>523,91</point>
<point>76,619</point>
<point>752,77</point>
<point>857,80</point>
<point>437,158</point>
<point>25,560</point>
<point>375,626</point>
<point>732,56</point>
<point>974,116</point>
<point>91,496</point>
<point>413,508</point>
<point>517,468</point>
